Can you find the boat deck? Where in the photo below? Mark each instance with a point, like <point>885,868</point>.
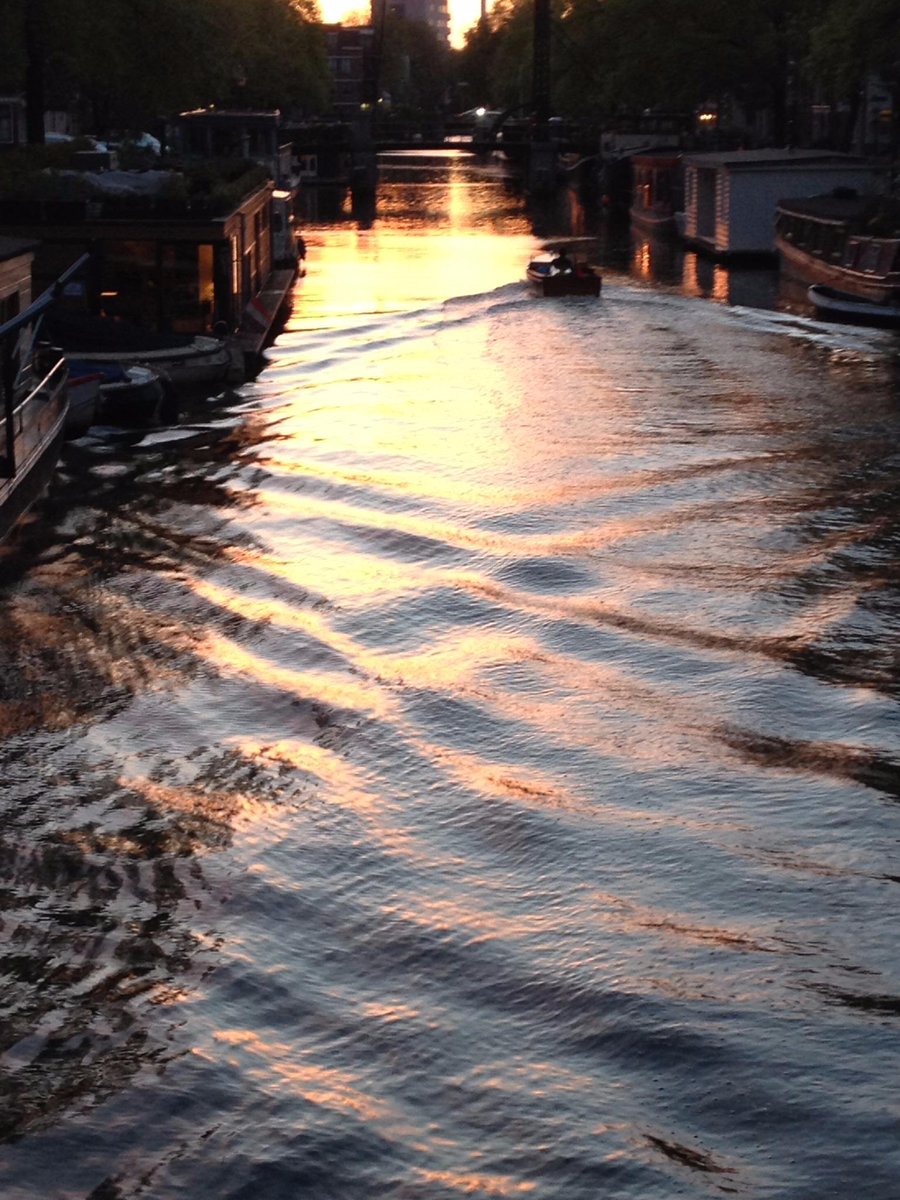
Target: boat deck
<point>262,312</point>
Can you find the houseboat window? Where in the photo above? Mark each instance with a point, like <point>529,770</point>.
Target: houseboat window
<point>206,277</point>
<point>886,257</point>
<point>128,283</point>
<point>187,287</point>
<point>235,266</point>
<point>868,260</point>
<point>228,141</point>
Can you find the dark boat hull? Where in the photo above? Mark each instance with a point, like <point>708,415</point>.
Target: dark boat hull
<point>809,269</point>
<point>37,448</point>
<point>133,397</point>
<point>831,304</point>
<point>564,283</point>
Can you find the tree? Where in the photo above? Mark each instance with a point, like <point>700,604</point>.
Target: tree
<point>130,62</point>
<point>414,66</point>
<point>853,39</point>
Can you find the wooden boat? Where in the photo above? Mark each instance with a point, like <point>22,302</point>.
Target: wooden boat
<point>577,280</point>
<point>831,304</point>
<point>847,243</point>
<point>32,392</point>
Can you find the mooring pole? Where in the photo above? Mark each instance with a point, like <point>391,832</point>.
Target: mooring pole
<point>540,85</point>
<point>541,151</point>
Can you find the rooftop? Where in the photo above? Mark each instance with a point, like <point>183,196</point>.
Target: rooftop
<point>772,157</point>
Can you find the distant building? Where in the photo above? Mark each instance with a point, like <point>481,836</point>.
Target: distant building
<point>351,63</point>
<point>433,13</point>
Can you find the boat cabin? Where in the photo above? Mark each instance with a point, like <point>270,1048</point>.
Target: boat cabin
<point>730,199</point>
<point>841,241</point>
<point>657,188</point>
<point>210,133</point>
<point>158,266</point>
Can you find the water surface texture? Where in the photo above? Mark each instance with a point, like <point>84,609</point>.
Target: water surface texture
<point>466,763</point>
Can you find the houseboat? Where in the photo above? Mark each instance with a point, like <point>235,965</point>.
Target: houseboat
<point>846,243</point>
<point>657,190</point>
<point>32,389</point>
<point>730,199</point>
<point>213,133</point>
<point>187,251</point>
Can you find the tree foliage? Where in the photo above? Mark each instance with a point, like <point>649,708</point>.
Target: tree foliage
<point>616,57</point>
<point>414,64</point>
<point>855,37</point>
<point>130,62</point>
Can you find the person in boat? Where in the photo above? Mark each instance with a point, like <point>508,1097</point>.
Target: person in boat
<point>562,263</point>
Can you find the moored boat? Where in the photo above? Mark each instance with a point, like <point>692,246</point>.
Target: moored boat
<point>32,390</point>
<point>556,275</point>
<point>848,243</point>
<point>831,304</point>
<point>134,397</point>
<point>83,391</point>
<point>657,191</point>
<point>187,361</point>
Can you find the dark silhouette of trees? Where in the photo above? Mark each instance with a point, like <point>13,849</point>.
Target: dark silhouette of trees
<point>129,62</point>
<point>614,58</point>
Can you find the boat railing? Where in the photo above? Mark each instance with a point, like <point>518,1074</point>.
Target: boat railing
<point>35,409</point>
<point>28,374</point>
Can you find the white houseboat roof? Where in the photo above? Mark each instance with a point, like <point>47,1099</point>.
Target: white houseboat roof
<point>772,159</point>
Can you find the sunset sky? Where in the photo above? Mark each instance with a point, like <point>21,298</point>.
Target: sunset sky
<point>463,14</point>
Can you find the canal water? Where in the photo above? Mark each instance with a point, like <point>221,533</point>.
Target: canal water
<point>465,761</point>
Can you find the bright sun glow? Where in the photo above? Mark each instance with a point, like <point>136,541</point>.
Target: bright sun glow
<point>463,14</point>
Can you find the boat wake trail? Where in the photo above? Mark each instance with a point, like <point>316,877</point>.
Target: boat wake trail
<point>473,774</point>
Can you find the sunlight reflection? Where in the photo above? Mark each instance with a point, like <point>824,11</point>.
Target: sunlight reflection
<point>470,1184</point>
<point>318,1085</point>
<point>343,691</point>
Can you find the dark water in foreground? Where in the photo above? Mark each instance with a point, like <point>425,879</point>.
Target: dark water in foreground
<point>467,764</point>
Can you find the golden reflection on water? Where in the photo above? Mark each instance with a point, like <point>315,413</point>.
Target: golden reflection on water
<point>434,238</point>
<point>475,1184</point>
<point>278,1068</point>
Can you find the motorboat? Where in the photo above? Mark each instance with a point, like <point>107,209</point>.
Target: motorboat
<point>554,275</point>
<point>832,304</point>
